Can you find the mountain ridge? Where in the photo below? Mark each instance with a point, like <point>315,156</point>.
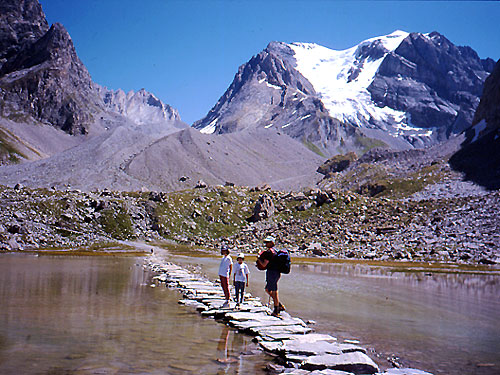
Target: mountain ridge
<point>395,100</point>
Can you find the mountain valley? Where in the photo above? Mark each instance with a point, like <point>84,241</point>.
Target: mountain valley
<point>340,147</point>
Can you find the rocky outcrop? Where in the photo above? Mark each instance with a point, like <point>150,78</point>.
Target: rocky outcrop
<point>22,22</point>
<point>337,163</point>
<point>263,209</point>
<point>479,157</point>
<point>141,107</point>
<point>489,106</point>
<point>43,77</point>
<point>437,83</point>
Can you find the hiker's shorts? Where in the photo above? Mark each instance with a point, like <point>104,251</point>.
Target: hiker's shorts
<point>272,277</point>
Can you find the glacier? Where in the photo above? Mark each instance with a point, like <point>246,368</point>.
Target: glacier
<point>342,78</point>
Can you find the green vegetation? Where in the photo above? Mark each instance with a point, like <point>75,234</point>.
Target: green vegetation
<point>7,151</point>
<point>117,223</point>
<point>366,143</point>
<point>311,146</point>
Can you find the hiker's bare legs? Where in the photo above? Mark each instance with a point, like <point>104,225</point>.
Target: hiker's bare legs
<point>274,296</point>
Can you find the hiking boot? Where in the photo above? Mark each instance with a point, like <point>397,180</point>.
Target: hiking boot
<point>281,307</point>
<point>276,312</point>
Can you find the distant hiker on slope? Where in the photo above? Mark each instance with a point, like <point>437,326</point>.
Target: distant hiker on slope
<point>275,262</point>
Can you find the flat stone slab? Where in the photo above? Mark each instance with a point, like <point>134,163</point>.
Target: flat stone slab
<point>311,348</point>
<point>318,372</point>
<point>253,319</point>
<point>330,372</point>
<point>349,348</point>
<point>312,337</point>
<point>271,346</point>
<point>357,363</point>
<point>277,330</point>
<point>188,302</point>
<point>405,371</point>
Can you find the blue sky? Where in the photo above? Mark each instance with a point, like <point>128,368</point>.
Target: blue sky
<point>187,52</point>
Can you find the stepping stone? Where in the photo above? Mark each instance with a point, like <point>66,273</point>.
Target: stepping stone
<point>256,324</point>
<point>405,371</point>
<point>272,346</point>
<point>313,337</point>
<point>243,316</point>
<point>298,372</point>
<point>357,363</point>
<point>296,359</point>
<point>311,348</point>
<point>349,348</point>
<point>330,372</point>
<point>191,303</point>
<point>162,278</point>
<point>270,331</point>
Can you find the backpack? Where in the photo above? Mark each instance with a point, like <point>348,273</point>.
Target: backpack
<point>282,261</point>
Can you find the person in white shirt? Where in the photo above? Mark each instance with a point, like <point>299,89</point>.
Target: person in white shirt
<point>225,269</point>
<point>241,273</point>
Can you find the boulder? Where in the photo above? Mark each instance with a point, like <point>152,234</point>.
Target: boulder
<point>200,185</point>
<point>13,244</point>
<point>336,164</point>
<point>304,206</point>
<point>264,209</point>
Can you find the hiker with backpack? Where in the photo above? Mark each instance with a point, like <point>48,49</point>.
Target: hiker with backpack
<point>275,262</point>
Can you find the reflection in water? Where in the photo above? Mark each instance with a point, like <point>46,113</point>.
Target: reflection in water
<point>88,315</point>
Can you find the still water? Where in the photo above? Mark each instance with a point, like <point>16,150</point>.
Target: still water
<point>445,323</point>
<point>83,315</point>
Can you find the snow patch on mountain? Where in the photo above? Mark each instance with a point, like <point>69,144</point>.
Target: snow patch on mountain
<point>210,128</point>
<point>342,78</point>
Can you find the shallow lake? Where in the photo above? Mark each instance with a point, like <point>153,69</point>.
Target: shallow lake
<point>442,322</point>
<point>98,315</point>
<point>83,315</point>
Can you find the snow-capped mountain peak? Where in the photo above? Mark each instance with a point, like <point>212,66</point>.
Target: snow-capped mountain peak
<point>342,77</point>
<point>400,90</point>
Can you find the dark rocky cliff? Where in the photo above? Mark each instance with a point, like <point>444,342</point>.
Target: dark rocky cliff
<point>41,75</point>
<point>22,22</point>
<point>436,82</point>
<point>479,157</point>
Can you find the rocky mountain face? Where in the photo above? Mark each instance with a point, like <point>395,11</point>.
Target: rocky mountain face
<point>403,90</point>
<point>479,156</point>
<point>42,76</point>
<point>43,82</point>
<point>488,109</point>
<point>437,84</point>
<point>143,109</point>
<point>269,92</point>
<point>22,22</point>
